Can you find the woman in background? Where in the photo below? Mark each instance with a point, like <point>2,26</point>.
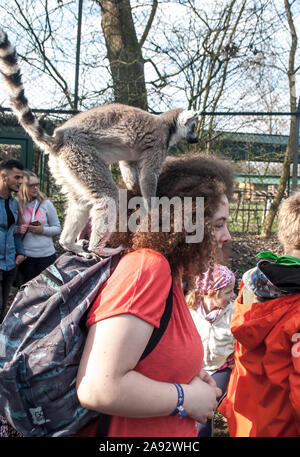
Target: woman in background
<point>40,224</point>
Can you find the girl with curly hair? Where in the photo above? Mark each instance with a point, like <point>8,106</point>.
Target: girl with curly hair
<point>167,392</point>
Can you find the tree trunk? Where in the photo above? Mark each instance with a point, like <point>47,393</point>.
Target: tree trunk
<point>267,225</point>
<point>124,53</point>
<point>285,174</point>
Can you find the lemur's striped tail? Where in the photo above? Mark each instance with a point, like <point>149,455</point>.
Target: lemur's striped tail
<point>10,70</point>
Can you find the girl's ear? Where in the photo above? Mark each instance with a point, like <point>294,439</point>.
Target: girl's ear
<point>211,293</point>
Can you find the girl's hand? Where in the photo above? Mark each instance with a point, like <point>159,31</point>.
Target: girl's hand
<point>200,399</point>
<point>21,229</point>
<point>37,229</point>
<point>207,378</point>
<point>19,259</point>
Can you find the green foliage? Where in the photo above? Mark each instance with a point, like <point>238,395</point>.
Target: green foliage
<point>248,217</point>
<point>59,203</point>
<point>115,171</point>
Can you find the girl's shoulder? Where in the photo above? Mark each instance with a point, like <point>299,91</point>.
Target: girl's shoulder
<point>45,203</point>
<point>146,260</point>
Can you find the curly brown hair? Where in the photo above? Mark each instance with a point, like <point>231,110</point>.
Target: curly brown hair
<point>189,175</point>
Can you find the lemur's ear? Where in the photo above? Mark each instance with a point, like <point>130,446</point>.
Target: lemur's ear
<point>187,116</point>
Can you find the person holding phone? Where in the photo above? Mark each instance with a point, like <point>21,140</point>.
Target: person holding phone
<point>40,224</point>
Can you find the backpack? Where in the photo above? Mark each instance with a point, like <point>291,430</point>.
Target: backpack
<point>41,342</point>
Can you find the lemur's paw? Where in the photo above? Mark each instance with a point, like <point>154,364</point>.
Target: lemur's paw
<point>80,248</point>
<point>84,244</point>
<point>106,252</point>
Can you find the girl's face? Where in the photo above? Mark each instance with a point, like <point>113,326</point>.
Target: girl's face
<point>219,222</point>
<point>220,298</point>
<point>32,188</point>
<point>224,296</point>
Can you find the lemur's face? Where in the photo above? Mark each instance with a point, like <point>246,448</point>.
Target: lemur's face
<point>186,128</point>
<point>191,136</point>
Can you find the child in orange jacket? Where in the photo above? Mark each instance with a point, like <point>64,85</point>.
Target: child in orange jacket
<point>263,395</point>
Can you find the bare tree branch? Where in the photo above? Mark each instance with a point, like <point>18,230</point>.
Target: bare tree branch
<point>267,226</point>
<point>49,66</point>
<point>149,23</point>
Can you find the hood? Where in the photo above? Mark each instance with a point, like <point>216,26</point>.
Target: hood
<point>270,280</point>
<point>251,324</point>
<point>277,282</point>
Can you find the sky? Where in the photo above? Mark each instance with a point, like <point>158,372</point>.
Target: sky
<point>39,89</point>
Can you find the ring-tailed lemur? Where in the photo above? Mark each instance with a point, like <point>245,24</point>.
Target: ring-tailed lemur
<point>81,150</point>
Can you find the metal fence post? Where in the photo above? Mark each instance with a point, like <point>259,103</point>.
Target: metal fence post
<point>77,55</point>
<point>296,150</point>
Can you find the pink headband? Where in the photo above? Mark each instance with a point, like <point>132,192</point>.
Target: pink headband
<point>214,279</point>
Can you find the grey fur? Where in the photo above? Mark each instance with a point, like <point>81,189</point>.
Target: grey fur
<point>81,150</point>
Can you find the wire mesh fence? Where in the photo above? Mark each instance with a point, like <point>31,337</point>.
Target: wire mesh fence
<point>255,143</point>
<point>248,211</point>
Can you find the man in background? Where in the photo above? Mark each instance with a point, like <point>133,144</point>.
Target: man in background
<point>11,247</point>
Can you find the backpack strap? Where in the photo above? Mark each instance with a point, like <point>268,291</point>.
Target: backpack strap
<point>159,331</point>
<point>103,425</point>
<point>104,419</point>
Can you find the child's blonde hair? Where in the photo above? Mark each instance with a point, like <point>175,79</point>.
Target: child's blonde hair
<point>289,222</point>
<point>191,299</point>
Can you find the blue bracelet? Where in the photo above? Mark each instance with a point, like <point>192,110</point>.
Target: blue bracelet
<point>179,408</point>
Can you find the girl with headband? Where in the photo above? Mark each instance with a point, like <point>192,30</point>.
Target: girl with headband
<point>211,304</point>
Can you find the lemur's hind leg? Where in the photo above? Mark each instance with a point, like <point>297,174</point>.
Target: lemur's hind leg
<point>130,174</point>
<point>77,210</point>
<point>103,218</point>
<point>76,217</point>
<point>96,196</point>
<point>150,169</point>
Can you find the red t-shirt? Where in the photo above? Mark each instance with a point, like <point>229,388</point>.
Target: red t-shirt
<point>140,285</point>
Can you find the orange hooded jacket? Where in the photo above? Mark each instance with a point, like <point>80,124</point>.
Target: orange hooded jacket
<point>263,395</point>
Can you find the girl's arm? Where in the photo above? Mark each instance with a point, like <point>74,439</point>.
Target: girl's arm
<point>53,221</point>
<point>107,382</point>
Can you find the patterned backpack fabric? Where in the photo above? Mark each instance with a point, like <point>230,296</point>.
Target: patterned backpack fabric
<point>41,342</point>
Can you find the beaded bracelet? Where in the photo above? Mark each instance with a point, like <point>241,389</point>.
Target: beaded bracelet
<point>179,408</point>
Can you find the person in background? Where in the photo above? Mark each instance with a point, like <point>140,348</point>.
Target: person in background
<point>11,247</point>
<point>168,391</point>
<point>40,225</point>
<point>263,395</point>
<point>211,306</point>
